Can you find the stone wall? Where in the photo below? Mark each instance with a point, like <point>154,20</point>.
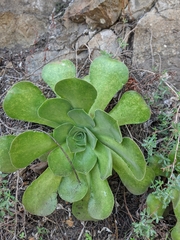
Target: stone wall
<point>88,27</point>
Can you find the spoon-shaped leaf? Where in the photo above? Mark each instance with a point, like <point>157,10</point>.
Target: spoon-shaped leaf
<point>22,102</point>
<point>73,187</point>
<point>131,181</point>
<point>131,109</point>
<point>5,161</point>
<point>108,76</point>
<point>53,72</point>
<point>79,93</point>
<point>131,154</point>
<point>101,201</point>
<point>40,198</point>
<point>28,146</point>
<point>55,110</point>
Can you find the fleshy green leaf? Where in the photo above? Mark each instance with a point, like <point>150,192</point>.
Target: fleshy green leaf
<point>61,132</point>
<point>81,118</point>
<point>103,154</point>
<point>101,201</point>
<point>176,202</point>
<point>131,109</point>
<point>132,156</point>
<point>85,161</point>
<point>40,198</point>
<point>175,233</point>
<point>91,140</point>
<point>59,162</point>
<point>22,102</point>
<point>108,76</point>
<point>73,189</point>
<point>87,78</point>
<point>131,181</point>
<point>79,93</point>
<point>154,206</point>
<point>80,209</point>
<point>156,166</point>
<point>28,146</point>
<point>5,161</point>
<point>53,72</point>
<point>55,110</point>
<point>77,139</point>
<point>106,128</point>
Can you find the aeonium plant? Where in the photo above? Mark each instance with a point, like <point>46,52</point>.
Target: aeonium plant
<point>85,143</point>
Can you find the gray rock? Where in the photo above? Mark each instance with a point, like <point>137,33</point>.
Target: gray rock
<point>40,8</point>
<point>22,29</point>
<point>107,41</point>
<point>162,5</point>
<point>137,8</point>
<point>23,22</point>
<point>156,43</point>
<point>96,13</point>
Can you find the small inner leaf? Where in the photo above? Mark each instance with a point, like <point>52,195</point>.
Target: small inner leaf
<point>61,132</point>
<point>91,138</point>
<point>77,139</point>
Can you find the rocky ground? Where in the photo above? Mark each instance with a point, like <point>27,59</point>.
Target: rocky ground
<point>25,63</point>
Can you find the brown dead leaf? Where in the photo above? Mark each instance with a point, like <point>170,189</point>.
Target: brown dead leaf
<point>69,222</point>
<point>39,167</point>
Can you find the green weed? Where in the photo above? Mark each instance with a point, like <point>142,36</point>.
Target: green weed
<point>6,199</point>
